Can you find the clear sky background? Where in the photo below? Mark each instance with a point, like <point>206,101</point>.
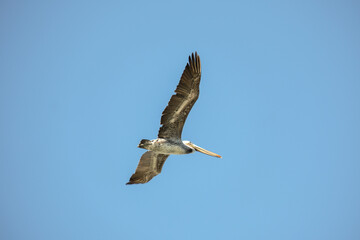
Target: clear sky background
<point>82,82</point>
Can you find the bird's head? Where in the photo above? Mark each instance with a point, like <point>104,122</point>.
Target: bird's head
<point>199,149</point>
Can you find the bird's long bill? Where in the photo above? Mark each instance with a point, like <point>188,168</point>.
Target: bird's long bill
<point>199,149</point>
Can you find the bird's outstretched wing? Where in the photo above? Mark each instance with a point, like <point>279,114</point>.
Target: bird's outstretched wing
<point>180,104</point>
<point>149,166</point>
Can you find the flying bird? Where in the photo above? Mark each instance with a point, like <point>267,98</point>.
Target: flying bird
<point>172,123</point>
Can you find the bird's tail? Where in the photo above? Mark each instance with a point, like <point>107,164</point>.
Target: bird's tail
<point>143,143</point>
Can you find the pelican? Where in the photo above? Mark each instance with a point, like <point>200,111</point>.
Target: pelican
<point>172,123</point>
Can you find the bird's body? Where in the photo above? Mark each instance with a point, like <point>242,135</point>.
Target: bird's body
<point>172,121</point>
<point>166,146</point>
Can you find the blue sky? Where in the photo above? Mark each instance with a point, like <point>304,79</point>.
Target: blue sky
<point>82,82</point>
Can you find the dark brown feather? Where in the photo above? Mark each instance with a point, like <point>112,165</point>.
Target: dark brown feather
<point>180,104</point>
<point>149,166</point>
